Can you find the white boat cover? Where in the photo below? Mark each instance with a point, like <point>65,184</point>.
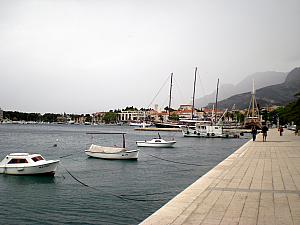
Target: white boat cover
<point>101,149</point>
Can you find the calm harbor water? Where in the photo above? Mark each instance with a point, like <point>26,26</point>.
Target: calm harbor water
<point>118,192</point>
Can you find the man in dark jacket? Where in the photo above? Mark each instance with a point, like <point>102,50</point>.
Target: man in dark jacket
<point>264,131</point>
<point>254,133</point>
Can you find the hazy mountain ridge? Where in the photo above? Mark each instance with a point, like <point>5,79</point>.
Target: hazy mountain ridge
<point>279,94</point>
<point>262,79</point>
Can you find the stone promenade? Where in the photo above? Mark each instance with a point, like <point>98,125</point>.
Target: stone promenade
<point>258,184</point>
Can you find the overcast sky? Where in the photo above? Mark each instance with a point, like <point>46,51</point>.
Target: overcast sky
<point>94,55</point>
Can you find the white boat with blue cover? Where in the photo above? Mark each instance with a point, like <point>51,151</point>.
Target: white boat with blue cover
<point>27,164</point>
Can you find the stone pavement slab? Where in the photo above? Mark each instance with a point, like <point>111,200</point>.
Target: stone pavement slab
<point>257,184</point>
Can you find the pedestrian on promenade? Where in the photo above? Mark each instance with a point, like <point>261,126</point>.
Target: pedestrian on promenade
<point>264,131</point>
<point>280,129</point>
<point>254,133</point>
<point>297,130</point>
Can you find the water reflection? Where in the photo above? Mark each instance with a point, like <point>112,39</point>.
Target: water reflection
<point>27,180</point>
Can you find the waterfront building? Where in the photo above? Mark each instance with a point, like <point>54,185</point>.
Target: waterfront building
<point>126,116</point>
<point>98,117</point>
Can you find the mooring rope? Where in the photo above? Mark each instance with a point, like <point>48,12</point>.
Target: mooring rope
<point>122,197</point>
<point>177,162</point>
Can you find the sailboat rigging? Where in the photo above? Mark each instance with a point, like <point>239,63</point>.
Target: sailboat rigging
<point>194,91</point>
<point>207,129</point>
<point>253,117</point>
<point>217,93</point>
<point>168,124</point>
<point>170,99</point>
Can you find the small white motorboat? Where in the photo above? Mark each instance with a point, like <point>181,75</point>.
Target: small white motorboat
<point>142,124</point>
<point>27,164</point>
<point>102,152</point>
<point>156,142</point>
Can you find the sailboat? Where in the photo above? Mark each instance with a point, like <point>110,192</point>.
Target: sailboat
<point>253,118</point>
<point>104,152</point>
<point>207,129</point>
<point>168,124</point>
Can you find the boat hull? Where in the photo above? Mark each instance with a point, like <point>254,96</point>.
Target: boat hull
<point>47,169</point>
<point>194,133</point>
<point>155,145</point>
<point>167,125</point>
<point>129,154</point>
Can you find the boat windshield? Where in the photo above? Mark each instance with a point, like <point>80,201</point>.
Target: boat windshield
<point>37,158</point>
<point>15,161</point>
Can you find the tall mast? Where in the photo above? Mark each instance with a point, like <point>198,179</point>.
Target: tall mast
<point>253,99</point>
<point>194,93</point>
<point>217,101</point>
<point>170,93</point>
<point>123,135</point>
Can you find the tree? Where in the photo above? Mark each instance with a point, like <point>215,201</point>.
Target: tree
<point>168,109</point>
<point>88,118</point>
<point>239,117</point>
<point>130,108</point>
<point>110,117</point>
<point>291,112</point>
<point>50,117</point>
<point>174,116</point>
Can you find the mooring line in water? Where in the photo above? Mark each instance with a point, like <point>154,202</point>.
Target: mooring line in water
<point>123,197</point>
<point>150,194</point>
<point>74,153</point>
<point>183,163</point>
<point>64,156</point>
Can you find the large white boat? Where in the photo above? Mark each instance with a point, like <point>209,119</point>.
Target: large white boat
<point>27,164</point>
<point>207,131</point>
<point>104,152</point>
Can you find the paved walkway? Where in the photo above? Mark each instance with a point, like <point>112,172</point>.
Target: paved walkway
<point>257,184</point>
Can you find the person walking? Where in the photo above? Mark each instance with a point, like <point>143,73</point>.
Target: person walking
<point>264,131</point>
<point>280,129</point>
<point>254,133</point>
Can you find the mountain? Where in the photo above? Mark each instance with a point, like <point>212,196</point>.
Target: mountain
<point>262,79</point>
<point>279,94</point>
